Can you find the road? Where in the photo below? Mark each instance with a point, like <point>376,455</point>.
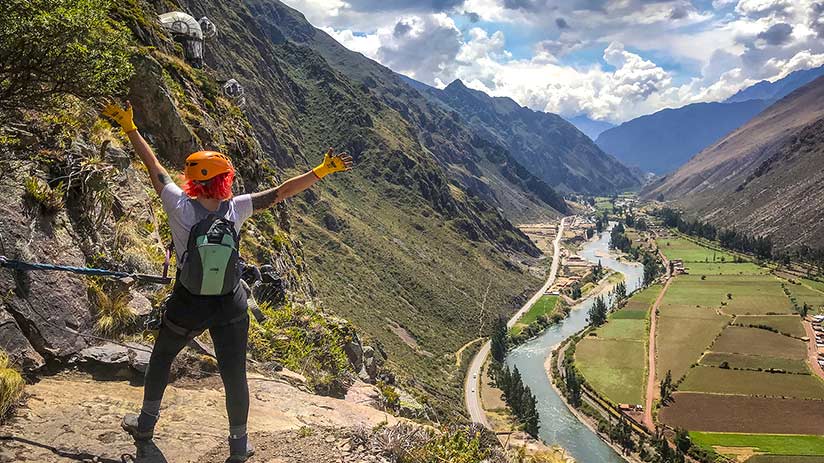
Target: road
<point>653,325</point>
<point>472,398</point>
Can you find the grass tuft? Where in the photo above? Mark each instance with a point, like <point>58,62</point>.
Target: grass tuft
<point>11,385</point>
<point>113,315</point>
<point>47,199</point>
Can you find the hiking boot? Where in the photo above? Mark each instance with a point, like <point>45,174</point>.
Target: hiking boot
<point>131,424</point>
<point>240,449</point>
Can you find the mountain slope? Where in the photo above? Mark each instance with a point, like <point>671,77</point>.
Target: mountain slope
<point>663,141</point>
<point>407,244</point>
<point>773,91</point>
<point>764,178</point>
<point>549,146</point>
<point>589,127</point>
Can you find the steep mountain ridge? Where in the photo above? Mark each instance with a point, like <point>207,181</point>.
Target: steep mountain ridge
<point>552,148</point>
<point>487,171</point>
<point>774,91</point>
<point>591,128</point>
<point>663,141</point>
<point>764,178</point>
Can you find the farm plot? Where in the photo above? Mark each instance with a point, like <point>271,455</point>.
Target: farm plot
<point>755,341</point>
<point>804,294</point>
<point>785,459</point>
<point>743,414</point>
<point>683,334</point>
<point>785,324</point>
<point>736,294</point>
<point>753,362</point>
<point>775,444</point>
<point>743,268</point>
<point>753,383</point>
<point>623,329</point>
<point>643,299</point>
<point>614,368</point>
<point>544,306</point>
<point>686,250</point>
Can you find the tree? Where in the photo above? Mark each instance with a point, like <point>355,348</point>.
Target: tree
<point>573,387</point>
<point>666,388</point>
<point>598,312</point>
<point>682,440</point>
<point>499,345</point>
<point>54,48</point>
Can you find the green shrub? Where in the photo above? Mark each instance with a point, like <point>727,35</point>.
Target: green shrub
<point>54,48</point>
<point>38,194</point>
<point>11,385</point>
<point>454,447</point>
<point>390,397</point>
<point>304,341</point>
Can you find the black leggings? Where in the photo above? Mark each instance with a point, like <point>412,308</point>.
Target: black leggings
<point>230,342</point>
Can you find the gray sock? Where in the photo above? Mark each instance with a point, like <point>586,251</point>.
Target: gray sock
<point>151,407</point>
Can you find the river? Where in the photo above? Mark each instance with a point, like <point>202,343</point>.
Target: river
<point>558,425</point>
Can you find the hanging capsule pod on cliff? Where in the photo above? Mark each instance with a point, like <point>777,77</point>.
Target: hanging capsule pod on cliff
<point>186,30</point>
<point>208,27</point>
<point>233,89</point>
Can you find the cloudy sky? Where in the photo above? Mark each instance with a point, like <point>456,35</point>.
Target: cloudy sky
<point>608,59</point>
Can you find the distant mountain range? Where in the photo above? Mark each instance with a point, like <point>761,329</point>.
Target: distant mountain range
<point>765,178</point>
<point>590,127</point>
<point>662,142</point>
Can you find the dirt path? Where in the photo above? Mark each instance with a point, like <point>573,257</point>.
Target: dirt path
<point>650,398</point>
<point>812,350</point>
<point>72,418</point>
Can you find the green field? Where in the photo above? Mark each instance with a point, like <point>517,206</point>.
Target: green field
<point>754,362</point>
<point>786,324</point>
<point>776,444</point>
<point>623,329</point>
<point>642,300</point>
<point>686,250</point>
<point>630,315</point>
<point>544,306</point>
<point>805,293</point>
<point>614,368</point>
<point>785,459</point>
<point>755,341</point>
<point>755,383</point>
<point>744,268</point>
<point>734,294</point>
<point>680,341</point>
<point>614,359</point>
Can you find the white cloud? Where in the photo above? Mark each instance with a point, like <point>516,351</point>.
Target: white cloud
<point>715,55</point>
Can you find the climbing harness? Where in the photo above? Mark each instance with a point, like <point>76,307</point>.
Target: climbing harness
<point>15,264</point>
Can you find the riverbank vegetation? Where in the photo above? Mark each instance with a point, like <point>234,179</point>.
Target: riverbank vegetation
<point>518,397</point>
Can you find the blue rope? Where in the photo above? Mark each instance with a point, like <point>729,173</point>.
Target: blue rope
<point>15,264</point>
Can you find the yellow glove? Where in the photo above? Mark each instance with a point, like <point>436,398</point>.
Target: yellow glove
<point>123,117</point>
<point>333,163</point>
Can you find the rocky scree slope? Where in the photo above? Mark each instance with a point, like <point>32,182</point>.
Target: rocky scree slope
<point>410,246</point>
<point>765,178</point>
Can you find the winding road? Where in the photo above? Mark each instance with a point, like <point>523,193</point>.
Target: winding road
<point>649,422</point>
<point>472,398</point>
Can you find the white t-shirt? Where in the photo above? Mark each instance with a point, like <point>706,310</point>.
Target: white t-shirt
<point>183,216</point>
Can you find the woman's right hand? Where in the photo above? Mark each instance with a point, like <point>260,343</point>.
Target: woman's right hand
<point>123,117</point>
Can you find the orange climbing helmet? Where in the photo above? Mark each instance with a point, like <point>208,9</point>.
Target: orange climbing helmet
<point>205,165</point>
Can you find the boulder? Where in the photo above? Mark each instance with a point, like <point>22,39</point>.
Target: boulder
<point>15,344</point>
<point>354,352</point>
<point>133,355</point>
<point>364,394</point>
<point>139,304</point>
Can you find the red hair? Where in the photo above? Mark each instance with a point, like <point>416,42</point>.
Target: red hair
<point>218,187</point>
